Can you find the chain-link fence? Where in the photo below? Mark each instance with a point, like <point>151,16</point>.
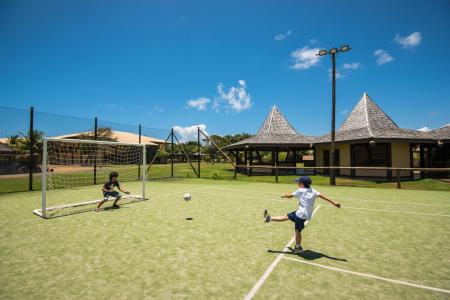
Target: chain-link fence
<point>22,132</point>
<point>173,155</point>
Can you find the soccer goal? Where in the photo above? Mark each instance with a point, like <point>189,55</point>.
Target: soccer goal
<point>74,171</point>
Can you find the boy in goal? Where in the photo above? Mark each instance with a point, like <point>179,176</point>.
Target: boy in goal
<point>108,191</point>
<point>306,197</point>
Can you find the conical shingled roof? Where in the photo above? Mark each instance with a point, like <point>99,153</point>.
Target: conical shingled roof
<point>276,123</point>
<point>368,121</point>
<point>367,114</point>
<point>276,131</point>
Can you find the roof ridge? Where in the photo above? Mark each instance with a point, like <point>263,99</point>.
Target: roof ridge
<point>367,114</point>
<point>382,111</point>
<point>271,118</point>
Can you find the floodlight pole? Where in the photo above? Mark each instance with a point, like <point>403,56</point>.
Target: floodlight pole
<point>333,52</point>
<point>333,119</point>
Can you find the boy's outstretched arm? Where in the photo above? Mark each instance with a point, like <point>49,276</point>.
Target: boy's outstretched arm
<point>287,195</point>
<point>338,205</point>
<point>124,191</point>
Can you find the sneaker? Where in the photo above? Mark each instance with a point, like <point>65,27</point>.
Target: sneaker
<point>267,217</point>
<point>116,206</point>
<point>298,250</point>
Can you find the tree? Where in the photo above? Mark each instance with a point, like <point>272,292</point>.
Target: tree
<point>21,143</point>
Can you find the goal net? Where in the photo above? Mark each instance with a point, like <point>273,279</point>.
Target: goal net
<point>74,171</point>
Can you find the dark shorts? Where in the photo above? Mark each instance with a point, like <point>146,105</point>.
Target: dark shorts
<point>299,223</point>
<point>113,194</point>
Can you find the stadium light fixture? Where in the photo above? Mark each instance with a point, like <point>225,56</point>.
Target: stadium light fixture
<point>345,48</point>
<point>333,51</point>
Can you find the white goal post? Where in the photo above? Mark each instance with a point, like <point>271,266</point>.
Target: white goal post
<point>74,171</point>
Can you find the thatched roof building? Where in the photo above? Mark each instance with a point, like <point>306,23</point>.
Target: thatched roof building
<point>441,134</point>
<point>369,122</point>
<point>275,132</point>
<point>118,136</point>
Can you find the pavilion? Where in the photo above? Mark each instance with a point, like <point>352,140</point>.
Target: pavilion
<point>277,143</point>
<point>370,138</point>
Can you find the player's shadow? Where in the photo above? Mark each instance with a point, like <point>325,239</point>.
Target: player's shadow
<point>310,255</point>
<point>313,255</point>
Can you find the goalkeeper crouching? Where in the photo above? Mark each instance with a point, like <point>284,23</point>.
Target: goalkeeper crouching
<point>108,191</point>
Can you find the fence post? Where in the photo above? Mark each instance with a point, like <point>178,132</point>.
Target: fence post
<point>95,149</point>
<point>171,154</point>
<point>31,145</point>
<point>276,166</point>
<point>237,163</point>
<point>140,139</point>
<point>198,152</point>
<point>399,185</point>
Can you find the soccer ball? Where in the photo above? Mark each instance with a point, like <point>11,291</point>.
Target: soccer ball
<point>187,197</point>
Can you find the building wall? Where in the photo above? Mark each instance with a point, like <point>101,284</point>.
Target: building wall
<point>400,157</point>
<point>399,153</point>
<point>344,157</point>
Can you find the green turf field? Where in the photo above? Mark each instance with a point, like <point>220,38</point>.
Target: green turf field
<point>383,244</point>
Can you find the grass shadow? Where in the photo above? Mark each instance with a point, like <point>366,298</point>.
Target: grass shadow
<point>308,254</point>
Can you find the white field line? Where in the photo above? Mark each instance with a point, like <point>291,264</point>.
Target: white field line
<point>272,266</point>
<point>343,199</point>
<point>395,202</point>
<point>392,211</point>
<point>344,206</point>
<point>370,276</point>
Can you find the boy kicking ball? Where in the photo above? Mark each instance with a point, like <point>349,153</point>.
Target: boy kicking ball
<point>108,191</point>
<point>306,197</point>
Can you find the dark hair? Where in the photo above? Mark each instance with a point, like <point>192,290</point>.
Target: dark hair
<point>306,180</point>
<point>113,174</point>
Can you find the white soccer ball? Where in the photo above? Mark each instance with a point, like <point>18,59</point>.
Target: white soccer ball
<point>187,197</point>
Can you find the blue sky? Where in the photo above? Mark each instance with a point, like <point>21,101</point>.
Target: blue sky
<point>143,61</point>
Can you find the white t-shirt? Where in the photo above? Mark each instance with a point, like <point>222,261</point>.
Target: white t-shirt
<point>306,199</point>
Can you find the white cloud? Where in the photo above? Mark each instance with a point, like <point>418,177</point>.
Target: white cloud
<point>409,41</point>
<point>351,66</point>
<point>382,56</point>
<point>199,103</point>
<point>305,58</point>
<point>313,41</point>
<point>424,129</point>
<point>236,99</point>
<point>188,133</point>
<point>283,36</point>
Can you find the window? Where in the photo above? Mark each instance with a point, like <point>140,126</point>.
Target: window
<point>366,155</point>
<point>361,153</point>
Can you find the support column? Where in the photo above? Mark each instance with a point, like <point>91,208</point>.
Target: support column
<point>171,154</point>
<point>250,173</point>
<point>276,166</point>
<point>31,146</point>
<point>95,149</point>
<point>199,157</point>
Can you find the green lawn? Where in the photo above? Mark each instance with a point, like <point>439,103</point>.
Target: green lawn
<point>225,171</point>
<point>148,249</point>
